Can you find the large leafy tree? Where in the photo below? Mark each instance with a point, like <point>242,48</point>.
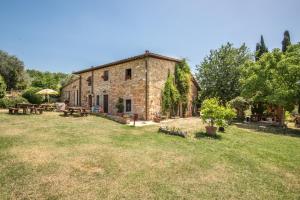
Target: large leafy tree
<point>286,41</point>
<point>273,78</point>
<point>219,73</point>
<point>46,79</point>
<point>12,70</point>
<point>2,87</point>
<point>261,48</point>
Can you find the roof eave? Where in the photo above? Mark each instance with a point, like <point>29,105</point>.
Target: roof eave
<point>128,60</point>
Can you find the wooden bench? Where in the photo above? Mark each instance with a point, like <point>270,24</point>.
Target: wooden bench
<point>24,110</point>
<point>40,110</point>
<point>66,113</point>
<point>84,113</point>
<point>13,110</point>
<point>80,112</point>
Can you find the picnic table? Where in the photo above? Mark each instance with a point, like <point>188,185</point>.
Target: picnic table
<point>83,111</point>
<point>33,108</point>
<point>48,107</point>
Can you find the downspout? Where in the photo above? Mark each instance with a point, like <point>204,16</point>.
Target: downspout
<point>92,83</point>
<point>92,88</point>
<point>80,89</point>
<point>146,85</point>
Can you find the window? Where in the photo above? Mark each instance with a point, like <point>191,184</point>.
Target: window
<point>128,74</point>
<point>105,76</point>
<point>89,80</point>
<point>128,105</point>
<point>97,100</point>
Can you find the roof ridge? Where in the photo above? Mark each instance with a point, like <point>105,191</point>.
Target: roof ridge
<point>147,53</point>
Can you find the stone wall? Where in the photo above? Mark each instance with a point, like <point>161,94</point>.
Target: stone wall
<point>70,92</point>
<point>86,90</point>
<point>135,89</point>
<point>117,87</point>
<point>193,94</point>
<point>158,71</point>
<point>158,74</point>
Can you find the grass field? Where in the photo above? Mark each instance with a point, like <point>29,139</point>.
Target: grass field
<point>52,157</point>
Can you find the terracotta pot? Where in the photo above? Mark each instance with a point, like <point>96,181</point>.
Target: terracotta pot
<point>211,130</point>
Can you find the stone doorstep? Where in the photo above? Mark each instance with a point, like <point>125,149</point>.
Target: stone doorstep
<point>142,123</point>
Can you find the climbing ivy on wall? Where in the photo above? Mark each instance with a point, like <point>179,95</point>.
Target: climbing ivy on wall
<point>170,96</point>
<point>182,81</point>
<point>176,89</point>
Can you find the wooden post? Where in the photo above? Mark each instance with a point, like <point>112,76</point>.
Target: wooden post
<point>135,117</point>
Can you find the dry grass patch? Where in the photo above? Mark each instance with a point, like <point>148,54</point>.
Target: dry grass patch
<point>52,157</point>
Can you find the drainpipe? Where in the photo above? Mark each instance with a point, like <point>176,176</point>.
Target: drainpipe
<point>92,83</point>
<point>146,85</point>
<point>80,89</point>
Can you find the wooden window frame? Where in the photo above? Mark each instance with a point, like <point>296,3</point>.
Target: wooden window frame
<point>128,76</point>
<point>89,81</point>
<point>126,105</point>
<point>105,75</point>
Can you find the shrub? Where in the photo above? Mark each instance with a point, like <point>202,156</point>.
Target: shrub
<point>240,104</point>
<point>7,102</point>
<point>173,131</point>
<point>120,105</point>
<point>31,96</point>
<point>214,113</point>
<point>2,87</point>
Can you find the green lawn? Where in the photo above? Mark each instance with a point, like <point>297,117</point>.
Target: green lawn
<point>51,157</point>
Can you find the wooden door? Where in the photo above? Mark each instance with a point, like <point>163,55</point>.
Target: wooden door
<point>90,101</point>
<point>105,103</point>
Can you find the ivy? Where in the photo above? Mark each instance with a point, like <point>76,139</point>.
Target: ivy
<point>170,95</point>
<point>176,88</point>
<point>182,80</point>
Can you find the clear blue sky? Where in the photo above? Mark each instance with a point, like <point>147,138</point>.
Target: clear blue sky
<point>68,35</point>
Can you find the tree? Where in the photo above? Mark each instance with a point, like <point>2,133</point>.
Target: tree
<point>2,87</point>
<point>170,96</point>
<point>240,104</point>
<point>261,48</point>
<point>31,95</point>
<point>219,73</point>
<point>120,105</point>
<point>12,70</point>
<point>68,79</point>
<point>182,81</point>
<point>273,79</point>
<point>46,79</point>
<point>286,41</point>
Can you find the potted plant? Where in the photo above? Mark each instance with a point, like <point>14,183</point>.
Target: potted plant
<point>215,114</point>
<point>120,107</point>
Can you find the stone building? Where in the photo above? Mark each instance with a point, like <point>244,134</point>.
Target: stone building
<point>138,80</point>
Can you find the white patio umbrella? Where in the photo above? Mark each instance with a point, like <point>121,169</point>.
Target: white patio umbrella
<point>47,92</point>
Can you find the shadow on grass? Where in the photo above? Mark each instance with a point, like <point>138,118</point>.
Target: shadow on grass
<point>268,129</point>
<point>200,135</point>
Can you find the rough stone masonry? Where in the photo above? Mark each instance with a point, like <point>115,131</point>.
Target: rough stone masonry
<point>139,80</point>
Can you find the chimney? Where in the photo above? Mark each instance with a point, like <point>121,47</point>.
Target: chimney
<point>147,52</point>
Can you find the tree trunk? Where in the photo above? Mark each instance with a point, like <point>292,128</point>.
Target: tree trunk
<point>299,108</point>
<point>282,116</point>
<point>180,109</point>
